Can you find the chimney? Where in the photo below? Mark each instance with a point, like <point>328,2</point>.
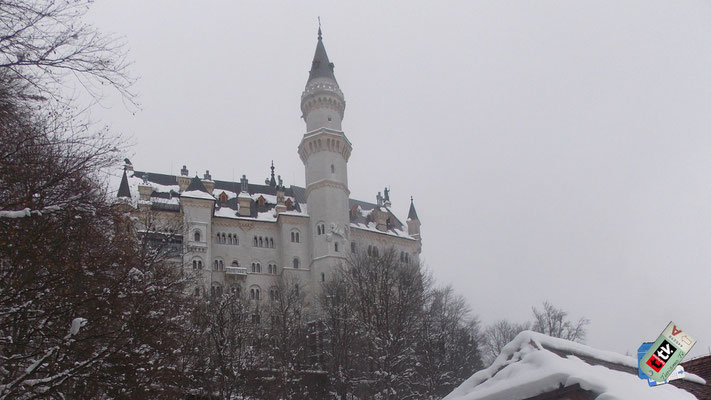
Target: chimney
<point>183,179</point>
<point>244,199</point>
<point>144,189</point>
<point>208,182</point>
<point>281,197</point>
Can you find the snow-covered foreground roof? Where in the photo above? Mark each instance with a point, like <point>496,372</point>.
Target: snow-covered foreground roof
<point>534,363</point>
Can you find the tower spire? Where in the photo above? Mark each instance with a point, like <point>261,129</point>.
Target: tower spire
<point>272,182</point>
<point>319,28</point>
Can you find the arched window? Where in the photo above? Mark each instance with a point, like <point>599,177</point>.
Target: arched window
<point>217,265</point>
<point>235,239</point>
<point>256,242</point>
<point>297,237</point>
<point>376,253</point>
<point>229,238</point>
<point>271,242</point>
<point>235,290</point>
<point>259,268</point>
<point>235,263</point>
<point>194,264</point>
<point>333,169</point>
<point>353,247</point>
<point>254,293</point>
<point>272,294</point>
<point>222,266</point>
<point>296,263</point>
<point>261,243</point>
<point>197,236</point>
<point>335,247</point>
<point>224,241</point>
<point>370,250</point>
<point>254,267</point>
<point>323,277</point>
<point>199,264</point>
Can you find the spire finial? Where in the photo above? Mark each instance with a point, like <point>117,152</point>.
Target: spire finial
<point>319,28</point>
<point>272,182</point>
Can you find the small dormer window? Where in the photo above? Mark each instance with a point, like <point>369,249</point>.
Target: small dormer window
<point>289,205</point>
<point>261,200</point>
<point>223,197</point>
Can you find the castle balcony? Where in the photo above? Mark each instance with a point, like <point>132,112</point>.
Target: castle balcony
<point>236,271</point>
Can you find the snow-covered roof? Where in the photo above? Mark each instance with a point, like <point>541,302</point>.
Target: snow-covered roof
<point>166,196</point>
<point>534,363</point>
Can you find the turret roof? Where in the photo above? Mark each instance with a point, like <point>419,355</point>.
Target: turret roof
<point>412,214</point>
<point>321,67</point>
<point>123,190</point>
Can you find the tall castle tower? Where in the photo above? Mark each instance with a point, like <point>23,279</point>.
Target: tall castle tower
<point>325,150</point>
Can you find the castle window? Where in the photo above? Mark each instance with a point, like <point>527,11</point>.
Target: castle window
<point>294,236</point>
<point>199,264</point>
<point>353,247</point>
<point>235,290</point>
<point>370,250</point>
<point>194,264</point>
<point>333,169</point>
<point>197,236</point>
<point>229,238</point>
<point>197,291</point>
<point>216,265</point>
<point>261,243</point>
<point>235,239</point>
<point>256,267</point>
<point>323,277</point>
<point>223,197</point>
<point>235,263</point>
<point>272,294</point>
<point>335,247</point>
<point>376,252</point>
<point>329,119</point>
<point>296,263</point>
<point>254,293</point>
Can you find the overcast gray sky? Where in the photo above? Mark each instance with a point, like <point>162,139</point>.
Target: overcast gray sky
<point>556,150</point>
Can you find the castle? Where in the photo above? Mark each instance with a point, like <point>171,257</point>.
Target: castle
<point>241,236</point>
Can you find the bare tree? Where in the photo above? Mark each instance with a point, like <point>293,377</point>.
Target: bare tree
<point>552,322</point>
<point>47,49</point>
<point>499,335</point>
<point>448,344</point>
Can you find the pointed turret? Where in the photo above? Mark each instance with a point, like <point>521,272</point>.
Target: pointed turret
<point>412,214</point>
<point>124,191</point>
<point>321,66</point>
<point>322,102</point>
<point>413,222</point>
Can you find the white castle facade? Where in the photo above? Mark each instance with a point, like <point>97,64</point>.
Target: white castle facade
<point>243,237</point>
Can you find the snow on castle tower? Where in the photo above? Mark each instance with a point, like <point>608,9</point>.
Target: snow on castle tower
<point>325,150</point>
